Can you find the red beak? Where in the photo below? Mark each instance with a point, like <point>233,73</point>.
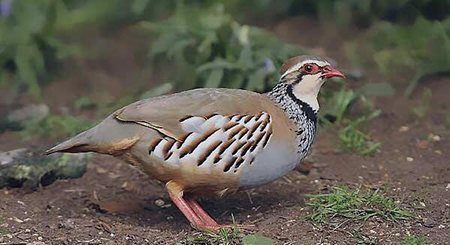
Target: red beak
<point>330,72</point>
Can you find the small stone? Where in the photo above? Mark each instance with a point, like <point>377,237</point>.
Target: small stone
<point>372,232</point>
<point>409,159</point>
<point>27,230</point>
<point>39,238</point>
<point>429,223</point>
<point>101,170</point>
<point>447,188</point>
<point>159,202</point>
<point>397,234</point>
<point>403,128</point>
<point>17,220</point>
<point>30,112</point>
<point>66,224</point>
<point>441,226</point>
<point>422,204</point>
<point>435,138</point>
<point>439,152</point>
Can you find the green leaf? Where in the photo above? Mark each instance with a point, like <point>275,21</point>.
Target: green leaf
<point>214,78</point>
<point>256,240</point>
<point>138,6</point>
<point>163,44</point>
<point>412,84</point>
<point>205,46</point>
<point>339,103</point>
<point>236,81</point>
<point>256,80</point>
<point>178,47</point>
<point>378,89</point>
<point>246,58</point>
<point>158,90</point>
<point>26,72</point>
<point>216,64</point>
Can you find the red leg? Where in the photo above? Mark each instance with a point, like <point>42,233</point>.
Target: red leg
<point>176,195</point>
<point>201,213</point>
<point>209,223</point>
<point>184,207</point>
<point>194,213</point>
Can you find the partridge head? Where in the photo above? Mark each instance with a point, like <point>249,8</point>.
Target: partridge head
<point>214,142</point>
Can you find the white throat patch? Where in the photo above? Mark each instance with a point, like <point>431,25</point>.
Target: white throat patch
<point>308,89</point>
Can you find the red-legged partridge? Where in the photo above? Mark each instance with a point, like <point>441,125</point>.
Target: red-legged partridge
<point>213,142</point>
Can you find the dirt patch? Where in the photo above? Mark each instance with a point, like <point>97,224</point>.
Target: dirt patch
<point>114,202</point>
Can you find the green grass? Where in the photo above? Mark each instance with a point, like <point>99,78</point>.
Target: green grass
<point>414,240</point>
<point>447,121</point>
<point>341,205</point>
<point>353,140</point>
<point>3,232</point>
<point>226,236</point>
<point>222,236</point>
<point>420,111</point>
<point>361,238</point>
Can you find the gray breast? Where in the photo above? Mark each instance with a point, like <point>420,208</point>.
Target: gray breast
<point>271,163</point>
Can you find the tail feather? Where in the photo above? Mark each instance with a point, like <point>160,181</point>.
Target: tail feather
<point>108,137</point>
<point>79,143</point>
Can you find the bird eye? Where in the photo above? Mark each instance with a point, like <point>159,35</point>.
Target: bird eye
<point>308,68</point>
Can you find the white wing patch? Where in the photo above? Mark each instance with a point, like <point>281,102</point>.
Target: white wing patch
<point>227,142</point>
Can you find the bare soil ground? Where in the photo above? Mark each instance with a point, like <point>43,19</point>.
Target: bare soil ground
<point>116,204</point>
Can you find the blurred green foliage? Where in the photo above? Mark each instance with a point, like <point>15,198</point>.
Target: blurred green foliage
<point>421,49</point>
<point>208,48</point>
<point>28,42</point>
<point>35,36</point>
<point>203,43</point>
<point>55,126</point>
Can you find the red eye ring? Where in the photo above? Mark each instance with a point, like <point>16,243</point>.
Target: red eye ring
<point>310,68</point>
